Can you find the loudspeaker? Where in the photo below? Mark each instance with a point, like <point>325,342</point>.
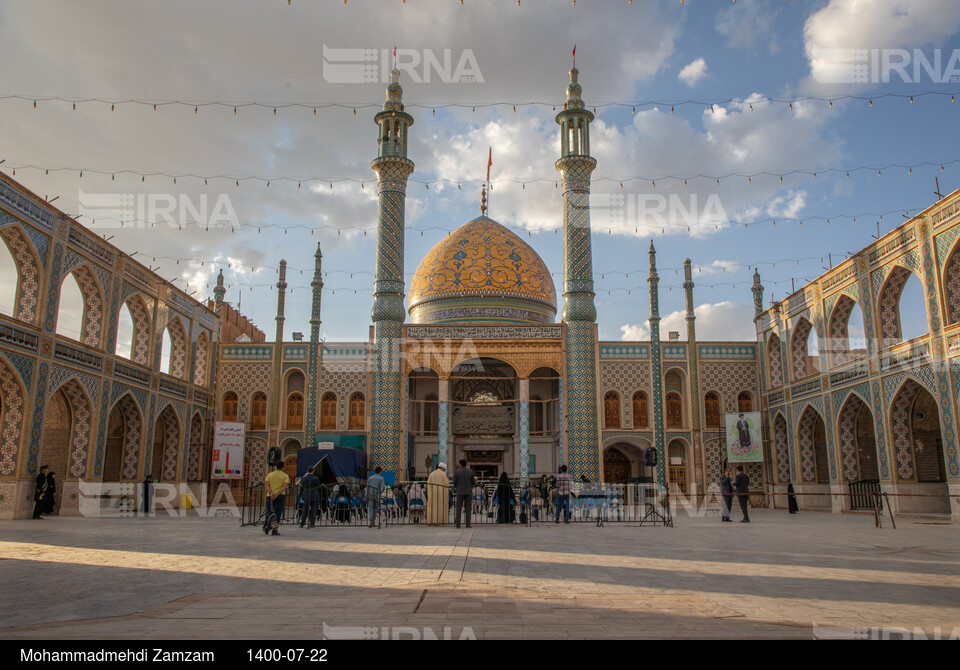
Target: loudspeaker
<point>274,455</point>
<point>650,457</point>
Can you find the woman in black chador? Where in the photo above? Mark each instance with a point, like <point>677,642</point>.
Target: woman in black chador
<point>49,498</point>
<point>505,511</point>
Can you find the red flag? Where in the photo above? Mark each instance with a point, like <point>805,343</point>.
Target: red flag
<point>394,56</point>
<point>574,54</point>
<point>489,163</point>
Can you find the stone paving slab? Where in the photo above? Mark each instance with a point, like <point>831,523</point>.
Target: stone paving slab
<point>196,578</point>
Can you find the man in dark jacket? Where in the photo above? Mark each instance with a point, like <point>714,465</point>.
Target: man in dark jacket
<point>463,483</point>
<point>310,493</point>
<point>742,487</point>
<point>726,490</point>
<point>40,493</point>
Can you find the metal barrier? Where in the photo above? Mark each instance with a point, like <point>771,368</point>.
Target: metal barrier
<point>409,503</point>
<point>863,494</point>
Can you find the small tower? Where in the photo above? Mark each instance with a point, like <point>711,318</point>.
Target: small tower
<point>218,294</point>
<point>278,356</point>
<point>757,291</point>
<point>393,168</point>
<point>693,363</point>
<point>579,311</point>
<point>653,279</point>
<point>316,351</point>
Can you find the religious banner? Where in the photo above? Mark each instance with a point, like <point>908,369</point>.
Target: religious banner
<point>228,441</point>
<point>483,420</point>
<point>744,440</point>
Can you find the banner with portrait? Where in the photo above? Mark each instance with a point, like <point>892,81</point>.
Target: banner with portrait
<point>744,437</point>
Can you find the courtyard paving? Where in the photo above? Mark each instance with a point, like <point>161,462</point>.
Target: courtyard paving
<point>781,576</point>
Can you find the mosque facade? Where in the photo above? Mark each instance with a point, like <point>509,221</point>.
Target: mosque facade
<point>483,363</point>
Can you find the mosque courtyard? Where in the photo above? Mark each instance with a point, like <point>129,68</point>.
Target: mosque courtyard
<point>812,575</point>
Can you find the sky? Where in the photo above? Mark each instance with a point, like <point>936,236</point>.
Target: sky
<point>727,132</point>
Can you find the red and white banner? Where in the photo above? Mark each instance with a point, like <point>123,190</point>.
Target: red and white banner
<point>228,441</point>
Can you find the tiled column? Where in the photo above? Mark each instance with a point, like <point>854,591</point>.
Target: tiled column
<point>443,421</point>
<point>524,423</point>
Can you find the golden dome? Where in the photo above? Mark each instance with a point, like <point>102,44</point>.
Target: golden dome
<point>482,272</point>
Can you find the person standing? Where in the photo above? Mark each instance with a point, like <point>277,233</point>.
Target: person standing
<point>726,491</point>
<point>792,500</point>
<point>437,484</point>
<point>276,486</point>
<point>310,493</point>
<point>564,488</point>
<point>375,486</point>
<point>50,496</point>
<point>743,432</point>
<point>463,481</point>
<point>39,503</point>
<point>506,500</point>
<point>742,487</point>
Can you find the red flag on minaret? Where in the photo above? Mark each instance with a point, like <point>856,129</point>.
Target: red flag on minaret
<point>395,56</point>
<point>574,55</point>
<point>489,164</point>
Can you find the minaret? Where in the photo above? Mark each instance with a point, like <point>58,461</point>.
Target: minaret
<point>693,362</point>
<point>579,312</point>
<point>657,369</point>
<point>393,168</point>
<point>316,356</point>
<point>757,291</point>
<point>218,294</point>
<point>278,351</point>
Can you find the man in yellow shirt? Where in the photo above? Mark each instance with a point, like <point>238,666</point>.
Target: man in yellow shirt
<point>276,487</point>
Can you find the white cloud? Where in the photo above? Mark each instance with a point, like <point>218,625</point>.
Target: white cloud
<point>748,22</point>
<point>693,72</point>
<point>716,322</point>
<point>875,24</point>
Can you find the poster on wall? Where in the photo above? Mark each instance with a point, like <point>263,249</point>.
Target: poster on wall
<point>744,437</point>
<point>228,441</point>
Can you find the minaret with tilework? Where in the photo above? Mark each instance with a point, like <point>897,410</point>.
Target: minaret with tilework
<point>278,350</point>
<point>393,168</point>
<point>693,362</point>
<point>579,312</point>
<point>757,291</point>
<point>313,367</point>
<point>653,279</point>
<point>218,292</point>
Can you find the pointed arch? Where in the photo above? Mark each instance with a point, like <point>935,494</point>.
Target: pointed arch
<point>891,326</point>
<point>196,448</point>
<point>200,362</point>
<point>782,447</point>
<point>951,285</point>
<point>177,364</point>
<point>81,411</point>
<point>839,332</point>
<point>744,401</point>
<point>803,361</point>
<point>91,318</point>
<point>917,434</point>
<point>858,443</point>
<point>124,432</point>
<point>166,444</point>
<point>140,335</point>
<point>812,439</point>
<point>775,361</point>
<point>677,465</point>
<point>12,396</point>
<point>28,286</point>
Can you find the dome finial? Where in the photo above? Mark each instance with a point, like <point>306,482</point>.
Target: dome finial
<point>483,200</point>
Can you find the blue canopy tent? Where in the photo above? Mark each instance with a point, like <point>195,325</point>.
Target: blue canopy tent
<point>339,465</point>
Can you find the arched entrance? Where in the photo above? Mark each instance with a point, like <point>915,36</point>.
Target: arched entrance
<point>484,416</point>
<point>616,466</point>
<point>166,441</point>
<point>677,460</point>
<point>858,442</point>
<point>815,467</point>
<point>124,429</point>
<point>55,440</point>
<point>918,449</point>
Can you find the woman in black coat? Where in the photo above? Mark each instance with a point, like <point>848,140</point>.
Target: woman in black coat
<point>506,512</point>
<point>49,498</point>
